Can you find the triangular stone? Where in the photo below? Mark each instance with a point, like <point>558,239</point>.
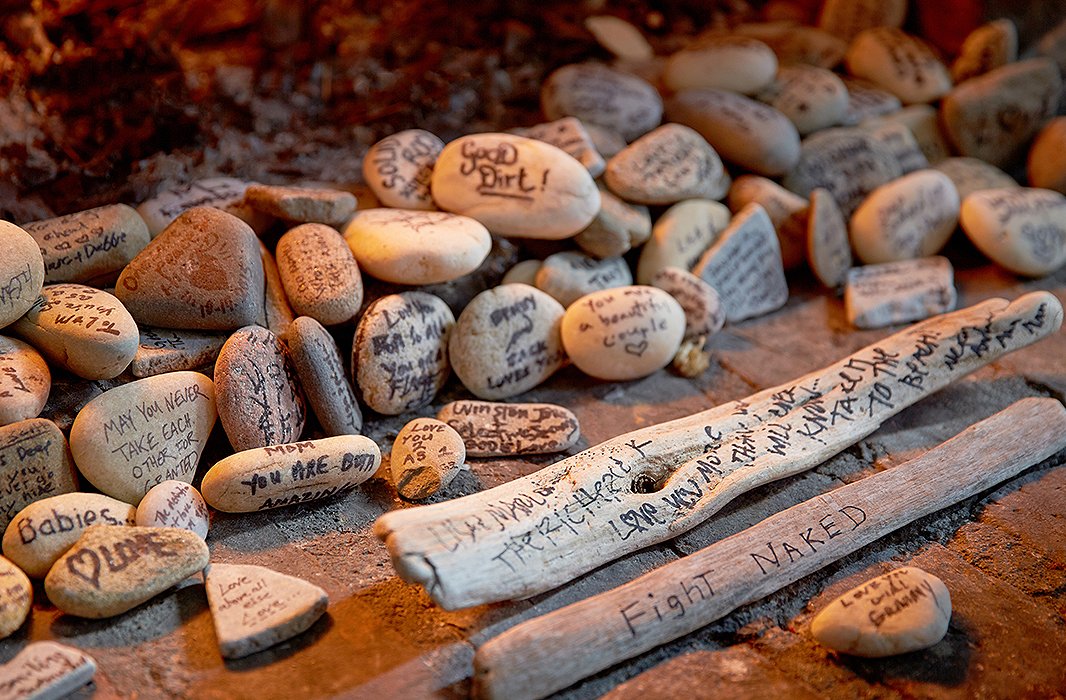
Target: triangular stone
<point>744,266</point>
<point>46,670</point>
<point>203,272</point>
<point>254,607</point>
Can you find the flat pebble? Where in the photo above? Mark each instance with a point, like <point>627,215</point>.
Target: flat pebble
<point>225,193</point>
<point>491,429</point>
<point>745,132</point>
<point>866,100</point>
<point>42,531</point>
<point>137,435</point>
<point>80,329</point>
<point>515,186</point>
<point>848,162</point>
<point>995,116</point>
<point>88,582</point>
<point>619,37</point>
<point>898,140</point>
<point>204,272</point>
<point>35,463</point>
<point>744,266</point>
<point>16,597</point>
<point>398,169</point>
<point>911,217</point>
<point>46,671</point>
<point>426,456</point>
<point>318,364</point>
<point>722,62</point>
<point>986,48</point>
<point>904,610</point>
<point>21,272</point>
<point>923,122</point>
<point>899,292</point>
<point>254,607</point>
<point>972,174</point>
<point>704,313</point>
<point>901,63</point>
<point>598,94</point>
<point>319,274</point>
<point>1047,157</point>
<point>624,333</point>
<point>416,247</point>
<point>569,135</point>
<point>828,245</point>
<point>174,504</point>
<point>812,98</point>
<point>24,381</point>
<point>89,246</point>
<point>289,474</point>
<point>846,18</point>
<point>787,212</point>
<point>302,204</point>
<point>680,236</point>
<point>665,166</point>
<point>506,341</point>
<point>1020,228</point>
<point>568,276</point>
<point>618,227</point>
<point>793,43</point>
<point>400,351</point>
<point>524,272</point>
<point>162,350</point>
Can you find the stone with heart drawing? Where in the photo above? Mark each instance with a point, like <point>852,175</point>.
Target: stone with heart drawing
<point>16,596</point>
<point>110,570</point>
<point>46,671</point>
<point>254,607</point>
<point>624,333</point>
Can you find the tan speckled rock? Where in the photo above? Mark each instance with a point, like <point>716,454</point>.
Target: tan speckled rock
<point>303,204</point>
<point>89,246</point>
<point>46,671</point>
<point>110,570</point>
<point>1021,228</point>
<point>288,474</point>
<point>911,217</point>
<point>617,228</point>
<point>319,366</point>
<point>899,292</point>
<point>41,532</point>
<point>724,62</point>
<point>1047,157</point>
<point>137,435</point>
<point>259,398</point>
<point>680,236</point>
<point>986,48</point>
<point>167,350</point>
<point>35,463</point>
<point>904,610</point>
<point>704,313</point>
<point>524,272</point>
<point>898,62</point>
<point>24,381</point>
<point>972,174</point>
<point>21,272</point>
<point>81,329</point>
<point>254,607</point>
<point>400,351</point>
<point>598,94</point>
<point>398,169</point>
<point>506,341</point>
<point>569,275</point>
<point>16,597</point>
<point>846,18</point>
<point>225,193</point>
<point>492,429</point>
<point>828,245</point>
<point>426,456</point>
<point>277,313</point>
<point>203,272</point>
<point>665,166</point>
<point>319,274</point>
<point>174,504</point>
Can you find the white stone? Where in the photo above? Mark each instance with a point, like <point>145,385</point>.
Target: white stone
<point>1021,228</point>
<point>812,98</point>
<point>904,610</point>
<point>900,142</point>
<point>680,236</point>
<point>598,94</point>
<point>619,37</point>
<point>704,313</point>
<point>426,456</point>
<point>515,186</point>
<point>174,504</point>
<point>568,276</point>
<point>46,671</point>
<point>524,272</point>
<point>902,64</point>
<point>21,272</point>
<point>398,169</point>
<point>899,292</point>
<point>828,245</point>
<point>416,247</point>
<point>225,193</point>
<point>490,429</point>
<point>618,227</point>
<point>846,18</point>
<point>744,266</point>
<point>911,217</point>
<point>972,174</point>
<point>665,166</point>
<point>787,212</point>
<point>569,135</point>
<point>722,62</point>
<point>624,333</point>
<point>986,48</point>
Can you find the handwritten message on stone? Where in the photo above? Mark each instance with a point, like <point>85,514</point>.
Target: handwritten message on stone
<point>665,166</point>
<point>492,429</point>
<point>910,290</point>
<point>16,596</point>
<point>598,94</point>
<point>399,167</point>
<point>25,381</point>
<point>224,193</point>
<point>164,350</point>
<point>45,669</point>
<point>89,246</point>
<point>426,456</point>
<point>704,313</point>
<point>34,464</point>
<point>1021,228</point>
<point>680,237</point>
<point>174,504</point>
<point>568,134</point>
<point>569,275</point>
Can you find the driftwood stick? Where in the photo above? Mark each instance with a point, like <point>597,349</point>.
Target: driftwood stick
<point>553,651</point>
<point>647,486</point>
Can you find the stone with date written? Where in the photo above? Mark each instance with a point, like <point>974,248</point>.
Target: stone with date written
<point>905,610</point>
<point>598,94</point>
<point>46,671</point>
<point>1020,228</point>
<point>881,295</point>
<point>164,350</point>
<point>491,429</point>
<point>313,205</point>
<point>204,272</point>
<point>21,272</point>
<point>89,246</point>
<point>570,275</point>
<point>319,366</point>
<point>289,474</point>
<point>35,463</point>
<point>254,607</point>
<point>426,456</point>
<point>83,330</point>
<point>665,166</point>
<point>680,236</point>
<point>623,333</point>
<point>319,274</point>
<point>174,504</point>
<point>16,597</point>
<point>137,435</point>
<point>507,341</point>
<point>398,169</point>
<point>110,570</point>
<point>910,217</point>
<point>400,351</point>
<point>42,531</point>
<point>24,381</point>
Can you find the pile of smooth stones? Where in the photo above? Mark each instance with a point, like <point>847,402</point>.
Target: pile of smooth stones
<point>677,191</point>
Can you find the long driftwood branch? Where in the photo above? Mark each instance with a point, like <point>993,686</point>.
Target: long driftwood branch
<point>553,651</point>
<point>647,486</point>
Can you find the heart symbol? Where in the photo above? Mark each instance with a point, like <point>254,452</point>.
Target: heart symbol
<point>636,348</point>
<point>76,560</point>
